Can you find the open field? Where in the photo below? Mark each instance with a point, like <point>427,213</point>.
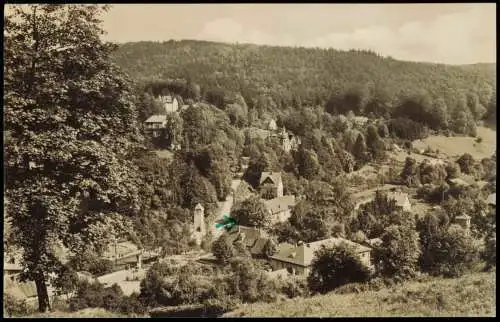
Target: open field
<point>456,146</point>
<point>470,295</point>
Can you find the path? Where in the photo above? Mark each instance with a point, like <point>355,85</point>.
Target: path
<point>224,209</point>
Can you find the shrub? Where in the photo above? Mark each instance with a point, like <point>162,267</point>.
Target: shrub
<point>296,287</point>
<point>87,295</point>
<point>466,163</point>
<point>131,304</point>
<point>398,255</point>
<point>250,284</point>
<point>448,251</point>
<point>223,249</point>
<point>15,307</point>
<point>490,251</point>
<point>220,306</point>
<point>91,263</point>
<point>111,298</point>
<point>335,266</point>
<point>94,295</point>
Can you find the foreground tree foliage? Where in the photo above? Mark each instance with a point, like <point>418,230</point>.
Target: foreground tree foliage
<point>72,123</point>
<point>447,250</point>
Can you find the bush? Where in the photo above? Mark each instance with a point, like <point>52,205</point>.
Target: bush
<point>91,263</point>
<point>223,249</point>
<point>131,304</point>
<point>398,255</point>
<point>296,287</point>
<point>94,295</point>
<point>249,283</point>
<point>15,307</point>
<point>335,266</point>
<point>446,250</point>
<point>218,307</point>
<point>87,295</point>
<point>490,251</point>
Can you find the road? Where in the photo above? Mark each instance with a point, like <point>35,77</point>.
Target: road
<point>224,209</point>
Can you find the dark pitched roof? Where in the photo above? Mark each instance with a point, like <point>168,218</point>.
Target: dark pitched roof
<point>258,246</point>
<point>274,176</point>
<point>253,238</point>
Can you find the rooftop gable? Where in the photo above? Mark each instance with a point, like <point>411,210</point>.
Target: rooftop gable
<point>275,177</point>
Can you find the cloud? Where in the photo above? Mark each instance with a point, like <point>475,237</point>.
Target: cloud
<point>229,30</point>
<point>455,38</point>
<point>461,37</point>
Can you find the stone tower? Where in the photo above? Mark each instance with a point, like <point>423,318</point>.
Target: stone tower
<point>199,229</point>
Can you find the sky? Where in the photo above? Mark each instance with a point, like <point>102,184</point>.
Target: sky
<point>440,33</point>
<point>456,33</point>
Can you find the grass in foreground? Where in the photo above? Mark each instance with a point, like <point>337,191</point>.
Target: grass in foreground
<point>86,313</point>
<point>470,295</point>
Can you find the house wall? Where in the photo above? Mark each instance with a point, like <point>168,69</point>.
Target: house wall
<point>279,190</point>
<point>172,107</point>
<point>282,216</point>
<point>366,258</point>
<point>269,191</point>
<point>407,205</point>
<point>293,269</point>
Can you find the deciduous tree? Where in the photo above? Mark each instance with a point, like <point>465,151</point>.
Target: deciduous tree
<point>73,124</point>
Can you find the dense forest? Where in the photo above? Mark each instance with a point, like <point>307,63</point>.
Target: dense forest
<point>272,79</point>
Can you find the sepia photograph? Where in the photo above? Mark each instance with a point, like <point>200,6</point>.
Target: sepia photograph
<point>249,160</point>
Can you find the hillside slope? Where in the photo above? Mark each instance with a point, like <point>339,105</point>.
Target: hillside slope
<point>470,295</point>
<point>292,76</point>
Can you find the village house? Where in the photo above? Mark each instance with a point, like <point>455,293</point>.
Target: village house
<point>272,126</point>
<point>280,208</point>
<point>297,259</point>
<point>359,120</point>
<point>401,198</point>
<point>123,253</point>
<point>271,185</point>
<point>155,125</point>
<point>288,141</point>
<point>170,103</point>
<point>253,239</point>
<point>11,268</point>
<point>244,161</point>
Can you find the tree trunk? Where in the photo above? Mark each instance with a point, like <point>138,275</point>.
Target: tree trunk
<point>42,294</point>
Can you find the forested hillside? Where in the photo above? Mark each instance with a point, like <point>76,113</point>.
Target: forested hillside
<point>279,77</point>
